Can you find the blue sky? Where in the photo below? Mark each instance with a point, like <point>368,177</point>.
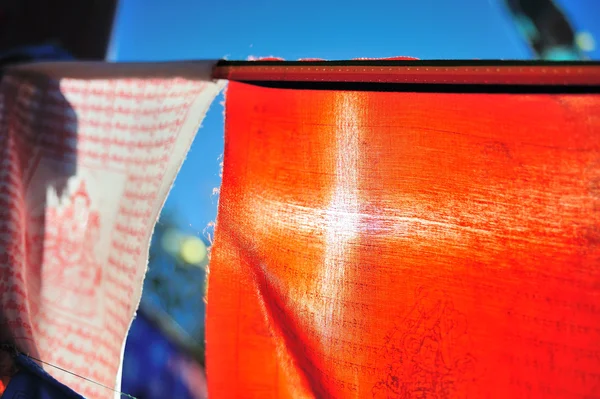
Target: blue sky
<point>152,30</point>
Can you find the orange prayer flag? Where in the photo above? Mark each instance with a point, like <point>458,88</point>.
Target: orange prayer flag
<point>394,244</point>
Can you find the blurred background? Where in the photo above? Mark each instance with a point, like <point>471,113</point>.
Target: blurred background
<point>165,349</point>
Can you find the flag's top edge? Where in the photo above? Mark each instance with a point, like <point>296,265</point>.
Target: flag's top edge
<point>404,71</point>
<point>400,70</point>
<point>403,61</point>
<point>194,70</point>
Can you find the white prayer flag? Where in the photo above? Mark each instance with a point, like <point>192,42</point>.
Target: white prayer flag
<point>89,152</point>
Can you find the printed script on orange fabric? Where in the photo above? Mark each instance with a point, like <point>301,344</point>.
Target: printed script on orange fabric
<point>406,245</point>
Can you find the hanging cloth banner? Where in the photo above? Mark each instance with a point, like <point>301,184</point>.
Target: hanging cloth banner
<point>402,244</point>
<point>89,153</point>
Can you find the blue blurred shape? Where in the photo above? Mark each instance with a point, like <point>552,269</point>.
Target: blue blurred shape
<point>159,362</point>
<point>32,382</point>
